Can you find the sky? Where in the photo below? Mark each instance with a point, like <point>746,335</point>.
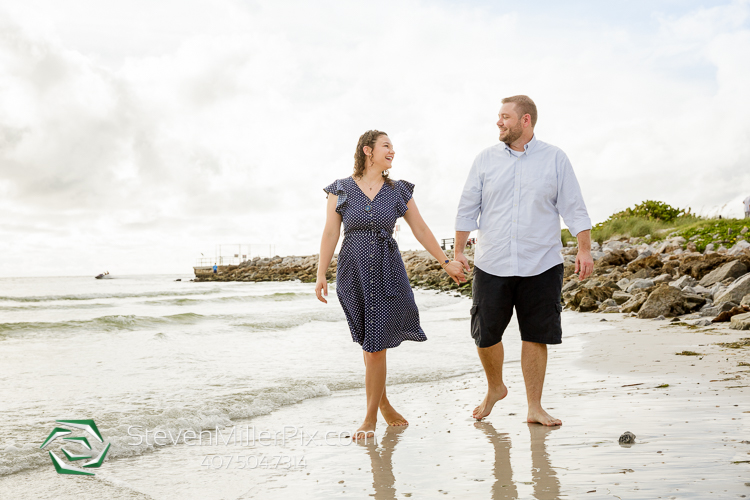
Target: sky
<point>136,136</point>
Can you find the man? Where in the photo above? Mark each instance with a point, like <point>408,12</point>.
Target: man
<point>746,203</point>
<point>515,194</point>
<point>215,268</point>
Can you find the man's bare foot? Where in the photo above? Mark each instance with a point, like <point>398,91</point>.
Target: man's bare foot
<point>392,416</point>
<point>366,430</point>
<point>492,397</point>
<point>539,416</point>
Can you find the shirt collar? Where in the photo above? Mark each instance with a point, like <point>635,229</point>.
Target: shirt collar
<point>528,147</point>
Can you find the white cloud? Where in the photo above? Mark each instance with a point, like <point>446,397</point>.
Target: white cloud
<point>137,135</point>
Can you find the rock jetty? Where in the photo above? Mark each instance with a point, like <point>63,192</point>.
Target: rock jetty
<point>663,280</point>
<point>634,276</point>
<point>423,270</point>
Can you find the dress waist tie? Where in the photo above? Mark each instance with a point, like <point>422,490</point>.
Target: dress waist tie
<point>388,247</point>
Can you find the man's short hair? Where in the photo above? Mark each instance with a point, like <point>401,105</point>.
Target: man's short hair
<point>524,105</point>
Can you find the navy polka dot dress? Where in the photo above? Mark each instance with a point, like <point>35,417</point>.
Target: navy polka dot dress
<point>371,282</point>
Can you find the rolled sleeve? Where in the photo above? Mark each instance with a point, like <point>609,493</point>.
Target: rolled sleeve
<point>570,204</point>
<point>470,205</point>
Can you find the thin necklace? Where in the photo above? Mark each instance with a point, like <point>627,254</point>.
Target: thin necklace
<point>371,185</point>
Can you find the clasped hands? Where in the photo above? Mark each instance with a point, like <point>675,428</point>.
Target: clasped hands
<point>455,270</point>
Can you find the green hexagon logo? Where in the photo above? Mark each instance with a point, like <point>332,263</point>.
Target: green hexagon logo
<point>79,447</point>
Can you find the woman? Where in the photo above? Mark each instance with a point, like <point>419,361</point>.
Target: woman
<point>371,281</point>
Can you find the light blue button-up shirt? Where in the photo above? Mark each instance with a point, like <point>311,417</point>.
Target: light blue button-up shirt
<point>516,203</point>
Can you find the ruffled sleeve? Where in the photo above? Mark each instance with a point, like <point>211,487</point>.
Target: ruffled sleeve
<point>405,190</point>
<point>337,188</point>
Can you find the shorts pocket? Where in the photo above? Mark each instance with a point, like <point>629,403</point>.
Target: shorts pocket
<point>558,307</point>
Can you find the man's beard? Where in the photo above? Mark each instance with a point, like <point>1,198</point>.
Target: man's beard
<point>513,134</point>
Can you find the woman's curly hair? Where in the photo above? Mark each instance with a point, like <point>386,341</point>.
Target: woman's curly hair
<point>369,138</point>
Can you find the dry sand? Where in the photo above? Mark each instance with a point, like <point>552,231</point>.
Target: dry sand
<point>690,414</point>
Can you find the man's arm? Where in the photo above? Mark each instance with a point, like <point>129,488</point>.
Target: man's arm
<point>573,210</point>
<point>584,261</point>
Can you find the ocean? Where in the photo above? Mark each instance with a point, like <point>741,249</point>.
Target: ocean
<point>150,352</point>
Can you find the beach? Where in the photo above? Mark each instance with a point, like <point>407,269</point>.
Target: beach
<point>284,408</point>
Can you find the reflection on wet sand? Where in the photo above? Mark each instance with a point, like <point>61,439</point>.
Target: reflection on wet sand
<point>383,480</point>
<point>546,484</point>
<point>504,487</point>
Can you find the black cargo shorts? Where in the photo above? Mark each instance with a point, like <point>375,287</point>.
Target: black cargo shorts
<point>537,303</point>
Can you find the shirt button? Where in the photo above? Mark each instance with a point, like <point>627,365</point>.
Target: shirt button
<point>372,269</point>
<point>372,309</point>
<point>372,255</point>
<point>372,295</point>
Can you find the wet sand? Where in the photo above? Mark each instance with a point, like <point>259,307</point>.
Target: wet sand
<point>690,414</point>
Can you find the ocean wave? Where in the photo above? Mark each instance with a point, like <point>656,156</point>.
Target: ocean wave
<point>122,429</point>
<point>275,297</point>
<point>106,323</point>
<point>119,429</point>
<point>265,323</point>
<point>104,295</point>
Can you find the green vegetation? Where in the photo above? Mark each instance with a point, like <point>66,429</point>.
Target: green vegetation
<point>662,386</point>
<point>636,227</point>
<point>688,353</point>
<point>650,217</point>
<point>660,221</point>
<point>726,231</point>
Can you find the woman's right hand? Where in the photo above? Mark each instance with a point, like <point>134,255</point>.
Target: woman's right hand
<point>321,289</point>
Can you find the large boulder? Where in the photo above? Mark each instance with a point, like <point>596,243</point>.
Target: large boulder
<point>634,303</point>
<point>597,294</point>
<point>639,283</point>
<point>621,297</point>
<point>692,300</point>
<point>732,269</point>
<point>740,322</point>
<point>571,285</point>
<point>651,262</point>
<point>684,281</point>
<point>735,292</point>
<point>665,301</point>
<point>698,266</point>
<point>739,247</point>
<point>727,315</point>
<point>614,258</point>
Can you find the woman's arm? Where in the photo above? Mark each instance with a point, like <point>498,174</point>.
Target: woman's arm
<point>327,246</point>
<point>427,239</point>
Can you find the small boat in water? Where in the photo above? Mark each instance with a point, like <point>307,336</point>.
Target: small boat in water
<point>104,276</point>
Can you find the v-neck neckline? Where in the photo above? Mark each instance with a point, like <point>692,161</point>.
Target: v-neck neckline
<point>364,194</point>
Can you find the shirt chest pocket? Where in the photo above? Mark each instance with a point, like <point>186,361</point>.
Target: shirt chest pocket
<point>539,183</point>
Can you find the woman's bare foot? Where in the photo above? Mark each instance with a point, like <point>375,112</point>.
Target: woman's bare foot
<point>492,397</point>
<point>392,416</point>
<point>366,430</point>
<point>539,416</point>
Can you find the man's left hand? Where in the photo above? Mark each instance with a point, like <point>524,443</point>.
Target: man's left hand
<point>584,264</point>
